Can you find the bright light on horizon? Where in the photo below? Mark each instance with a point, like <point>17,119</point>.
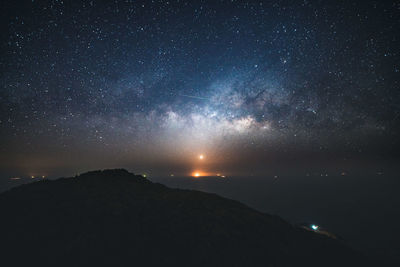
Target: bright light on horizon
<point>198,174</point>
<point>201,156</point>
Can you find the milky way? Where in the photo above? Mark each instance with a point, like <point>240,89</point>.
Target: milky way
<point>157,82</point>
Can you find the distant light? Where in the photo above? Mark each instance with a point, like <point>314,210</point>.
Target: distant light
<point>172,175</point>
<point>144,175</point>
<point>223,176</point>
<point>314,227</point>
<point>15,178</point>
<point>33,177</point>
<point>43,176</point>
<point>201,156</point>
<point>196,174</point>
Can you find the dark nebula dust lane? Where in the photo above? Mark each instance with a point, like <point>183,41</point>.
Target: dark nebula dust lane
<point>152,84</point>
<point>291,107</point>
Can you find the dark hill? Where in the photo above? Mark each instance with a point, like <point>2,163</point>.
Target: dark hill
<point>115,218</point>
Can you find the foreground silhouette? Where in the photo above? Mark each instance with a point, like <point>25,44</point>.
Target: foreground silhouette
<point>115,218</point>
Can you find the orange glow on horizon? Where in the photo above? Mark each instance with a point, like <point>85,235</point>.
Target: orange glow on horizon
<point>197,174</point>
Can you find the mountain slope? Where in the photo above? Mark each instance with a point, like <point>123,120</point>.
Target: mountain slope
<point>114,218</point>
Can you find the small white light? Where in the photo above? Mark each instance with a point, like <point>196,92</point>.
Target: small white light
<point>314,227</point>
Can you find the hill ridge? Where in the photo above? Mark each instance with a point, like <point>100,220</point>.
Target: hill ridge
<point>114,217</point>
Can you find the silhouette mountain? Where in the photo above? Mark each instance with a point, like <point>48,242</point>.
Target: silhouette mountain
<point>116,218</point>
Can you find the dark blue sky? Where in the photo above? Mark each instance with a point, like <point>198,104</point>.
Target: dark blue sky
<point>155,83</point>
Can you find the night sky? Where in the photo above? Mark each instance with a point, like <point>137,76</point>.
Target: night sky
<point>253,86</point>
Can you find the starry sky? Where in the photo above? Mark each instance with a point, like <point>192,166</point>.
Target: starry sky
<point>150,85</point>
